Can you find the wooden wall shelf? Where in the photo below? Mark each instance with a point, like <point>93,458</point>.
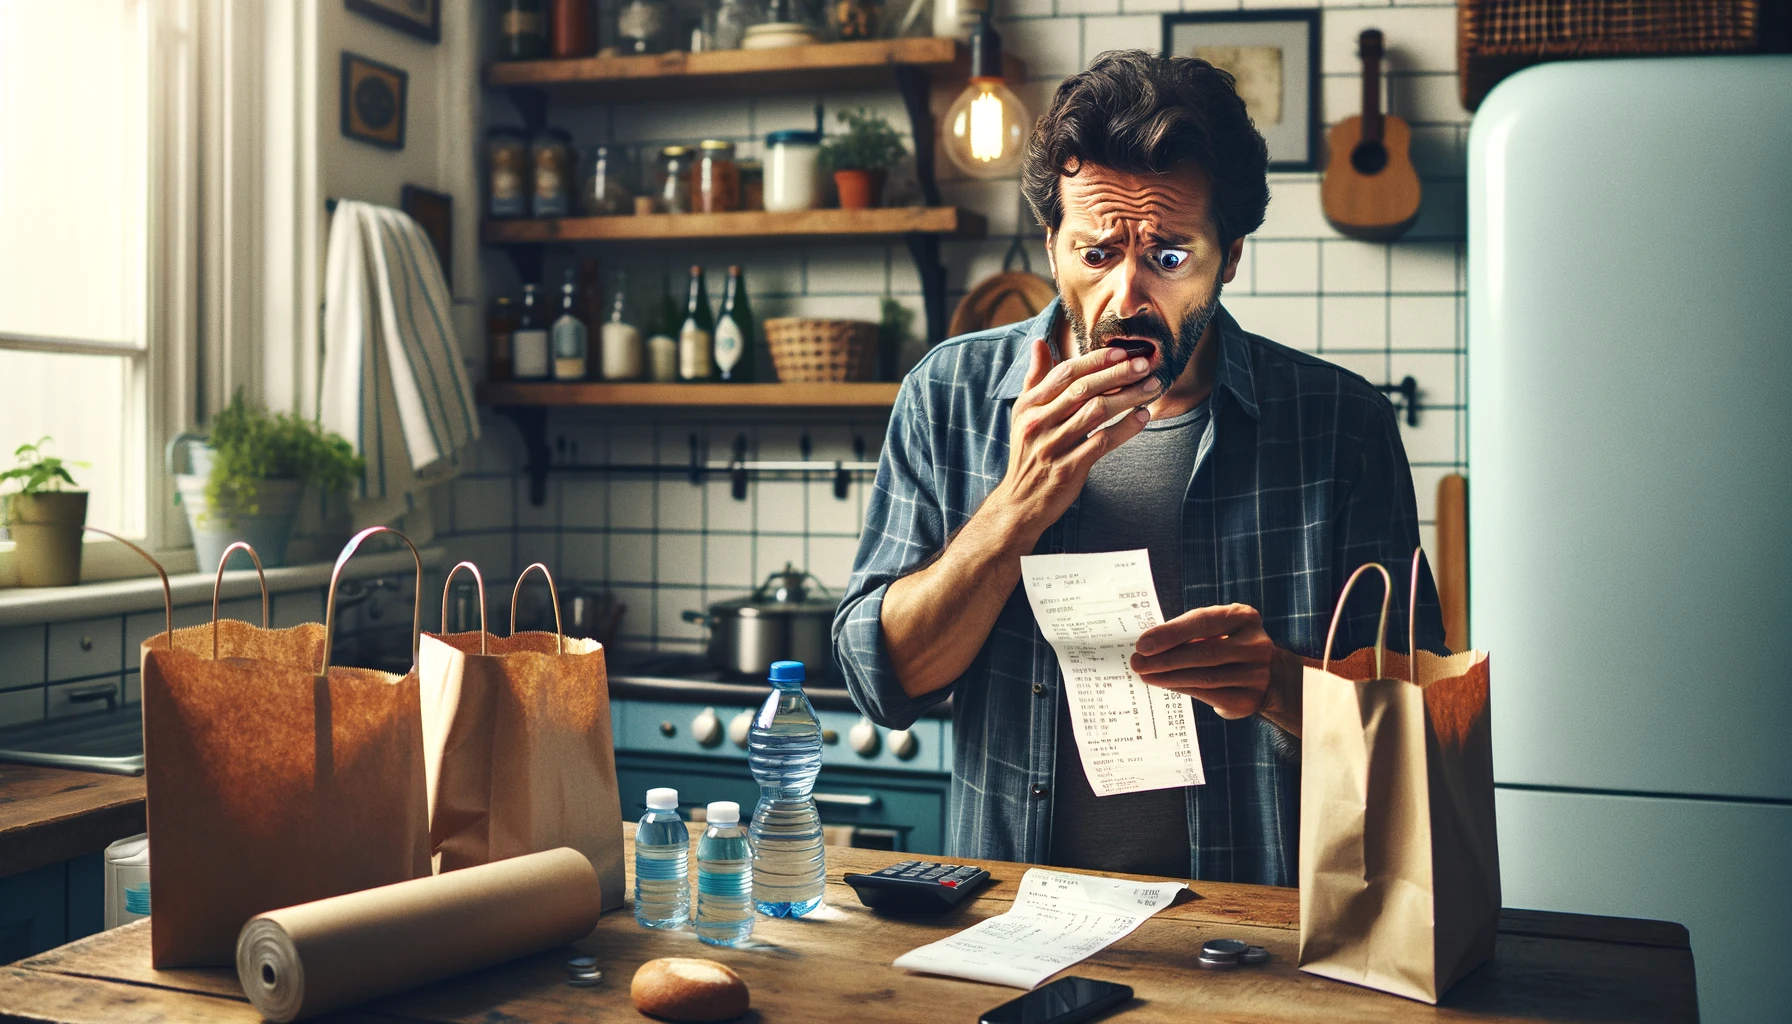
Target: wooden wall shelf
<point>824,67</point>
<point>853,395</point>
<point>758,225</point>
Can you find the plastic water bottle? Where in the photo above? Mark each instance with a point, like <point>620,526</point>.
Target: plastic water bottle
<point>662,859</point>
<point>724,878</point>
<point>784,751</point>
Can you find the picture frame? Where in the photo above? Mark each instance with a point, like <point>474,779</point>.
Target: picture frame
<point>434,211</point>
<point>420,18</point>
<point>1274,55</point>
<point>373,101</point>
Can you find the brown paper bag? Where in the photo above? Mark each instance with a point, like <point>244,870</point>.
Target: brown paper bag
<point>1399,858</point>
<point>273,778</point>
<point>519,753</point>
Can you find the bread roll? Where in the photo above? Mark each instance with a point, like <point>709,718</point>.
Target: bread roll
<point>683,988</point>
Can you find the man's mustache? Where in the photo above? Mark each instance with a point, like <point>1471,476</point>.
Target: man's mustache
<point>1142,325</point>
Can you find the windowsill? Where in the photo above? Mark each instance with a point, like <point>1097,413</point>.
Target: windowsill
<point>32,605</point>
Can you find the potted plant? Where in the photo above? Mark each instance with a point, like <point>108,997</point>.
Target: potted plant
<point>45,521</point>
<point>247,476</point>
<point>861,157</point>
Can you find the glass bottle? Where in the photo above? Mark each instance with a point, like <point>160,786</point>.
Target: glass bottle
<point>571,340</point>
<point>529,350</point>
<point>620,339</point>
<point>662,348</point>
<point>522,30</point>
<point>734,330</point>
<point>732,19</point>
<point>607,187</point>
<point>500,323</point>
<point>673,192</point>
<point>715,178</point>
<point>697,333</point>
<point>646,26</point>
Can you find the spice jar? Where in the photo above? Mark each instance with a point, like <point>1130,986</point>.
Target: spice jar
<point>551,154</point>
<point>522,30</point>
<point>500,323</point>
<point>673,180</point>
<point>507,173</point>
<point>607,186</point>
<point>752,185</point>
<point>715,178</point>
<point>792,170</point>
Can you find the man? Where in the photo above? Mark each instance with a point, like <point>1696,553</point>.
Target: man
<point>1258,477</point>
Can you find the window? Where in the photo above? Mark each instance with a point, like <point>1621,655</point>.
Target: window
<point>96,176</point>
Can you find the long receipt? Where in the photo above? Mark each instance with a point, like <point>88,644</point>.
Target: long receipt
<point>1092,608</point>
<point>1058,918</point>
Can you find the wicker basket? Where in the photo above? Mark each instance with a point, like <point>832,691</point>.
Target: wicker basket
<point>822,350</point>
<point>1498,37</point>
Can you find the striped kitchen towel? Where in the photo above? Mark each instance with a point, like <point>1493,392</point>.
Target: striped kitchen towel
<point>393,382</point>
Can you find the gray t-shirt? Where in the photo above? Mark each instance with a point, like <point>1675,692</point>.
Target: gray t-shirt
<point>1133,499</point>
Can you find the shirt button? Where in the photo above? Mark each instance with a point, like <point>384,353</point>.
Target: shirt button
<point>1038,689</point>
<point>1040,789</point>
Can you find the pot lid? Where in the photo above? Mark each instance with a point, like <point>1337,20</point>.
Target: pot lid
<point>785,592</point>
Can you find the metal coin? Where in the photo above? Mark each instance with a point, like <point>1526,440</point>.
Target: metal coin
<point>581,963</point>
<point>586,979</point>
<point>1224,947</point>
<point>1210,963</point>
<point>1254,955</point>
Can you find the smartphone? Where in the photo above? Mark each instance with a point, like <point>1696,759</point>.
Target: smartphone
<point>1064,1001</point>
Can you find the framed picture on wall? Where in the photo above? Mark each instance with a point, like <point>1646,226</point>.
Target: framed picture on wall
<point>373,96</point>
<point>420,18</point>
<point>1274,57</point>
<point>434,212</point>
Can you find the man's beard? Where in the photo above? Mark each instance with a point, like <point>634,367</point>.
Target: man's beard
<point>1177,348</point>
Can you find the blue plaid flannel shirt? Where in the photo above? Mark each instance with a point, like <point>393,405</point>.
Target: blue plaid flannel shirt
<point>1299,478</point>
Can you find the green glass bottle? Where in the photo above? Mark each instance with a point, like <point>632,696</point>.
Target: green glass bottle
<point>662,345</point>
<point>734,331</point>
<point>696,335</point>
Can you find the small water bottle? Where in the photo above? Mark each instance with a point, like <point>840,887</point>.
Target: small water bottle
<point>784,751</point>
<point>662,859</point>
<point>724,878</point>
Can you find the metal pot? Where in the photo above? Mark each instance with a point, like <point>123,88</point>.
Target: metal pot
<point>778,622</point>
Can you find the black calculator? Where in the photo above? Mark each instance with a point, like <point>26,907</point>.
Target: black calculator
<point>918,887</point>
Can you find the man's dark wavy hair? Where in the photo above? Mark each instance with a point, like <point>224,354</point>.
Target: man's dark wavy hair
<point>1143,114</point>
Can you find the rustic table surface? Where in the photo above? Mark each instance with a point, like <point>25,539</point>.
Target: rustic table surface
<point>834,966</point>
<point>48,815</point>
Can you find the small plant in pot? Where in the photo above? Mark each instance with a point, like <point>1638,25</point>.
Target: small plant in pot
<point>861,157</point>
<point>45,521</point>
<point>247,477</point>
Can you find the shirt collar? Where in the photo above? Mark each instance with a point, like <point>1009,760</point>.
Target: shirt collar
<point>1232,372</point>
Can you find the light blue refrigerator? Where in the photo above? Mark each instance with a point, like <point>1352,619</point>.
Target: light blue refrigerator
<point>1630,498</point>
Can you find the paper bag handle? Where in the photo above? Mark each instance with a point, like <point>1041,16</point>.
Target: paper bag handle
<point>348,551</point>
<point>478,579</point>
<point>553,594</point>
<point>1412,617</point>
<point>218,581</point>
<point>167,591</point>
<point>1381,631</point>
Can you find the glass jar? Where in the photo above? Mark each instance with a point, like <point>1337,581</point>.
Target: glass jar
<point>507,173</point>
<point>855,19</point>
<point>792,170</point>
<point>551,156</point>
<point>522,30</point>
<point>672,181</point>
<point>646,26</point>
<point>752,185</point>
<point>715,178</point>
<point>606,182</point>
<point>732,19</point>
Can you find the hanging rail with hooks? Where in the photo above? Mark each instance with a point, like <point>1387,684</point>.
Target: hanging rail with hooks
<point>739,469</point>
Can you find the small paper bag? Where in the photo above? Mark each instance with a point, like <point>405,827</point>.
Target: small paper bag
<point>519,752</point>
<point>1399,857</point>
<point>273,779</point>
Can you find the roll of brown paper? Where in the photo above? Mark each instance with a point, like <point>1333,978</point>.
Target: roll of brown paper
<point>332,953</point>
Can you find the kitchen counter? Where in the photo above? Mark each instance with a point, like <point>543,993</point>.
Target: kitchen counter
<point>48,815</point>
<point>835,965</point>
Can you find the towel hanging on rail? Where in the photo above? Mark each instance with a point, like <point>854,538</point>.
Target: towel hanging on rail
<point>393,382</point>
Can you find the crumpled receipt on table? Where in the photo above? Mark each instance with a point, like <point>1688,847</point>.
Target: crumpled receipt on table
<point>1092,609</point>
<point>1058,918</point>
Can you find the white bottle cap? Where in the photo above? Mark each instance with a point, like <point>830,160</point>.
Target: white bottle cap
<point>724,812</point>
<point>662,799</point>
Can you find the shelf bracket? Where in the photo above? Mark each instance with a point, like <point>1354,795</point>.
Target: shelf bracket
<point>925,249</point>
<point>532,423</point>
<point>916,87</point>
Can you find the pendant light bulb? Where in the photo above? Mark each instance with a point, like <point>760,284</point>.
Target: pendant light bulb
<point>986,127</point>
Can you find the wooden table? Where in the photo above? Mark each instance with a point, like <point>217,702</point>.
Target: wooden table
<point>48,815</point>
<point>834,967</point>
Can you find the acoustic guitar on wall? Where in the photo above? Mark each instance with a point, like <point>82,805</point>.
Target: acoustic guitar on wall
<point>1370,189</point>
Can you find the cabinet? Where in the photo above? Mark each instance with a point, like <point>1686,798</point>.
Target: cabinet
<point>51,905</point>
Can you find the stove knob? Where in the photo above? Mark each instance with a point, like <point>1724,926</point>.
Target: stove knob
<point>739,727</point>
<point>706,728</point>
<point>863,738</point>
<point>903,743</point>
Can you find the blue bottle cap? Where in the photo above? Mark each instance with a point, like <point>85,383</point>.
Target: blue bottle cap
<point>787,672</point>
